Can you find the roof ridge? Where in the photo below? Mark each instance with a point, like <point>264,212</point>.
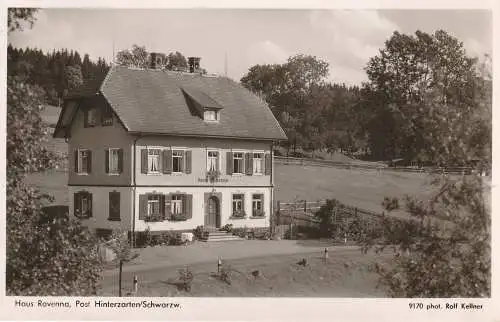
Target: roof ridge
<point>111,69</point>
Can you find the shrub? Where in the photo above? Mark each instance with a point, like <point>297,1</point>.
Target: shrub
<point>227,227</point>
<point>225,274</point>
<point>185,279</point>
<point>199,232</point>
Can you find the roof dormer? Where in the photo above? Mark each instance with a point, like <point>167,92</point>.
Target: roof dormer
<point>202,104</point>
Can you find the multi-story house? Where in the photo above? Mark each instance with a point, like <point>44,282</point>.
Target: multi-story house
<point>169,151</point>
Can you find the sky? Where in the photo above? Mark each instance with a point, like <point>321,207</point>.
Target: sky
<point>241,38</point>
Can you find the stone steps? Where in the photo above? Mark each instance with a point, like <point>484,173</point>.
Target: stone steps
<point>220,236</point>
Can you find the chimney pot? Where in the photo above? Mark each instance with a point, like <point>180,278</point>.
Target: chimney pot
<point>194,64</point>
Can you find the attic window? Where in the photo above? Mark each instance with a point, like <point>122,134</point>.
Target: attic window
<point>211,115</point>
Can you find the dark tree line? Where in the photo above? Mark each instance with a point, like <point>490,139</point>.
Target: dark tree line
<point>57,72</point>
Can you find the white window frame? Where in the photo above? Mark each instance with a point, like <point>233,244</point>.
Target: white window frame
<point>91,117</point>
<point>242,162</point>
<point>80,162</point>
<point>114,172</point>
<point>152,199</point>
<point>217,159</point>
<point>84,207</point>
<point>236,201</point>
<point>177,204</point>
<point>209,111</point>
<point>256,201</point>
<point>150,157</point>
<point>261,165</point>
<point>182,162</point>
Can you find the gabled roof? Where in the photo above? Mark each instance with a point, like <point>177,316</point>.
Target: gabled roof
<point>155,102</point>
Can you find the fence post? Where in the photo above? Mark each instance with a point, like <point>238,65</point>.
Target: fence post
<point>305,205</point>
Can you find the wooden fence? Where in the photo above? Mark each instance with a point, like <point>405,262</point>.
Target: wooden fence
<point>302,214</point>
<point>370,166</point>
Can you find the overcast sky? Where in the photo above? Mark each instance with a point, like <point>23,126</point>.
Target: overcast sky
<point>344,38</point>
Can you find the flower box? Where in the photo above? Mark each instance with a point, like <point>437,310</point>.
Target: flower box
<point>154,218</point>
<point>178,217</point>
<point>238,215</point>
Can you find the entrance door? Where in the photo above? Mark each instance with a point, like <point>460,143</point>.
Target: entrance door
<point>213,217</point>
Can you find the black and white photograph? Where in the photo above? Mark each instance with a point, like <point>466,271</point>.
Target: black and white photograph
<point>170,153</point>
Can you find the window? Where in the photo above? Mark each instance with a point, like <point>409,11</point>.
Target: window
<point>258,163</point>
<point>257,210</point>
<point>83,204</point>
<point>213,161</point>
<point>91,117</point>
<point>210,115</point>
<point>83,161</point>
<point>177,161</point>
<point>153,160</point>
<point>114,161</point>
<point>238,209</point>
<point>114,205</point>
<point>153,205</point>
<point>238,162</point>
<point>107,117</point>
<point>177,204</point>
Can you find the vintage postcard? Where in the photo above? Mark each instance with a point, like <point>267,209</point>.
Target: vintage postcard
<point>293,162</point>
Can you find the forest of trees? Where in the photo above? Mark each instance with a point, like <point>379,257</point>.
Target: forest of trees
<point>57,72</point>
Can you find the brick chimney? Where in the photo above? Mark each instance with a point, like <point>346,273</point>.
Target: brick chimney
<point>156,61</point>
<point>194,64</point>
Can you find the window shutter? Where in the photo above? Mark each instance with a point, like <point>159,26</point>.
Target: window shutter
<point>114,205</point>
<point>162,206</point>
<point>217,162</point>
<point>143,206</point>
<point>229,162</point>
<point>106,161</point>
<point>89,162</point>
<point>168,206</point>
<point>269,164</point>
<point>188,206</point>
<point>144,161</point>
<point>77,205</point>
<point>76,160</point>
<point>85,118</point>
<point>249,163</point>
<point>188,161</point>
<point>89,195</point>
<point>167,161</point>
<point>98,114</point>
<point>120,161</point>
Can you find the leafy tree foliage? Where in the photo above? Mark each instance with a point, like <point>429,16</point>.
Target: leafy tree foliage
<point>139,57</point>
<point>315,114</point>
<point>47,254</point>
<point>16,16</point>
<point>448,241</point>
<point>74,77</point>
<point>120,245</point>
<point>407,74</point>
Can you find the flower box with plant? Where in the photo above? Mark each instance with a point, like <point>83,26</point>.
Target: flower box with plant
<point>238,214</point>
<point>213,175</point>
<point>257,213</point>
<point>154,218</point>
<point>178,217</point>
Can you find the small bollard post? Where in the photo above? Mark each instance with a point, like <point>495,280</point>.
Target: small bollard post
<point>326,254</point>
<point>345,238</point>
<point>135,284</point>
<point>219,264</point>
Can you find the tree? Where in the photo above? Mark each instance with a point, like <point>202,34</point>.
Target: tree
<point>399,78</point>
<point>138,57</point>
<point>74,77</point>
<point>288,89</point>
<point>447,242</point>
<point>176,61</point>
<point>16,16</point>
<point>47,254</point>
<point>120,245</point>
